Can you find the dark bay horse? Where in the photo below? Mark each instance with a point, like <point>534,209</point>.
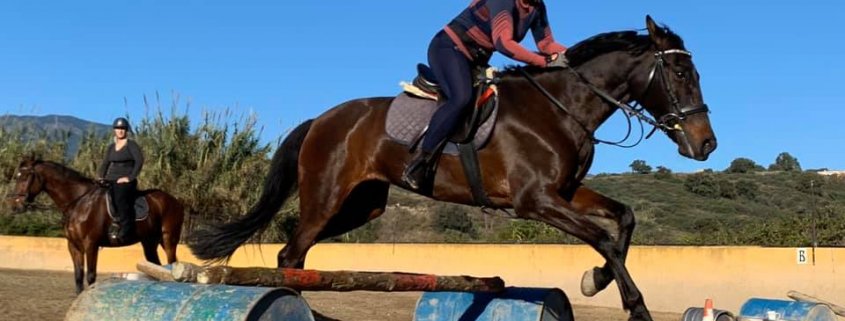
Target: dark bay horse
<point>86,220</point>
<point>344,163</point>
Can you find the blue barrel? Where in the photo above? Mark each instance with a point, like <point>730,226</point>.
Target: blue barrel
<point>515,304</point>
<point>765,309</point>
<point>165,301</point>
<point>696,314</point>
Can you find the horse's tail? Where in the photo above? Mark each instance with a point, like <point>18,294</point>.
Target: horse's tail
<point>220,242</point>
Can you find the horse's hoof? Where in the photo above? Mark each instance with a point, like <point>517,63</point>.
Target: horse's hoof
<point>640,313</point>
<point>588,283</point>
<point>640,317</point>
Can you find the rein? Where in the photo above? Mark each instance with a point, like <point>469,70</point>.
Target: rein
<point>681,112</point>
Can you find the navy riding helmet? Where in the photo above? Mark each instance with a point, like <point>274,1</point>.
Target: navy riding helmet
<point>121,123</point>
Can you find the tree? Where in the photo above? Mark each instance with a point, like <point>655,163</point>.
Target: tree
<point>640,167</point>
<point>727,189</point>
<point>743,165</point>
<point>703,184</point>
<point>663,173</point>
<point>747,189</point>
<point>785,162</point>
<point>452,217</point>
<point>810,183</point>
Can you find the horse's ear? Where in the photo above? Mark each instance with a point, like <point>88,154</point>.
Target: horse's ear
<point>36,158</point>
<point>655,32</point>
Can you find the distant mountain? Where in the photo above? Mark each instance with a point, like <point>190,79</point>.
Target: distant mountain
<point>54,126</point>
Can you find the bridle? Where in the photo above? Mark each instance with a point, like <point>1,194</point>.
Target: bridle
<point>679,112</point>
<point>667,123</point>
<point>26,196</point>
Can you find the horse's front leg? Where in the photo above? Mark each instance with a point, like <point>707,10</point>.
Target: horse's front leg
<point>91,251</point>
<point>78,258</point>
<point>544,204</point>
<point>615,218</point>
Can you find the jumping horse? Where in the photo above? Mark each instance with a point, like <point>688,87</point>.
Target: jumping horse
<point>85,214</point>
<point>541,148</point>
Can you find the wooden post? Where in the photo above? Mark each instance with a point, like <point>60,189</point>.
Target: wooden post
<point>798,296</point>
<point>312,280</point>
<point>184,272</point>
<point>155,271</point>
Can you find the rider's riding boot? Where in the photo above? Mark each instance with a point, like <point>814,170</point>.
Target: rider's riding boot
<point>114,232</point>
<point>126,228</point>
<point>417,171</point>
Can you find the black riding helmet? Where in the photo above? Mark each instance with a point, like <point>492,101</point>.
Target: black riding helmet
<point>120,123</point>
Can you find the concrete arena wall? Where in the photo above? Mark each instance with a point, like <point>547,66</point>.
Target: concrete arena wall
<point>671,278</point>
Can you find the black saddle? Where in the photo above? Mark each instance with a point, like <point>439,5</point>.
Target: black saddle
<point>426,81</point>
<point>142,208</point>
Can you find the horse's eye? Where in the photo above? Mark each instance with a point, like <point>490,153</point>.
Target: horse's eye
<point>681,75</point>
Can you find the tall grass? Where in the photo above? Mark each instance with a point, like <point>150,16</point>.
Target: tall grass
<point>214,168</point>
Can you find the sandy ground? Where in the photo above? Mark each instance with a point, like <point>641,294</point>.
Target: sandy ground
<point>42,295</point>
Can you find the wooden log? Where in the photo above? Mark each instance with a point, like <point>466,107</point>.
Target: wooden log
<point>798,296</point>
<point>184,272</point>
<point>312,280</point>
<point>155,271</point>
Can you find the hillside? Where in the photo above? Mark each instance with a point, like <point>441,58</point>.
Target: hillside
<point>763,208</point>
<point>54,127</point>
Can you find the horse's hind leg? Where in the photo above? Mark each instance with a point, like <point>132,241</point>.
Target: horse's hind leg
<point>365,202</point>
<point>171,231</point>
<point>150,245</point>
<point>78,258</point>
<point>614,217</point>
<point>169,241</point>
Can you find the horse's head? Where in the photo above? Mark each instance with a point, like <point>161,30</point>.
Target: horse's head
<point>670,89</point>
<point>28,184</point>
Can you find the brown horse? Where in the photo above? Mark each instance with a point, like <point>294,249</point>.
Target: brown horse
<point>85,215</point>
<point>541,148</point>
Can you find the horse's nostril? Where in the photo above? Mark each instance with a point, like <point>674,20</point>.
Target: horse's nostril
<point>708,147</point>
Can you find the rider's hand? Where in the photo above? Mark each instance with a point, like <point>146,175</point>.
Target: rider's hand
<point>123,180</point>
<point>557,61</point>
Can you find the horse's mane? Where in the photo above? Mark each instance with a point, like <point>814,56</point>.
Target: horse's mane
<point>630,40</point>
<point>66,172</point>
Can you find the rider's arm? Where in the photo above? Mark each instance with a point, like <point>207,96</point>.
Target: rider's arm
<point>542,33</point>
<point>138,156</point>
<point>503,34</point>
<point>104,166</point>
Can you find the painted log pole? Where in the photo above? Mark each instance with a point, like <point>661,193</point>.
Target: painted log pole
<point>312,280</point>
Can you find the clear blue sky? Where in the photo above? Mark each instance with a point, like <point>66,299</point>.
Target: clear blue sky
<point>772,71</point>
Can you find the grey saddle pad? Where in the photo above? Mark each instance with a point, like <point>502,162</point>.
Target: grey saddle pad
<point>142,209</point>
<point>408,116</point>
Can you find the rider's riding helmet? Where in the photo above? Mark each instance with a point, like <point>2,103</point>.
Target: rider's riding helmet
<point>120,123</point>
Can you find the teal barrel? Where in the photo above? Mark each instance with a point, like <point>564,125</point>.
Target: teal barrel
<point>696,314</point>
<point>515,304</point>
<point>123,300</point>
<point>765,309</point>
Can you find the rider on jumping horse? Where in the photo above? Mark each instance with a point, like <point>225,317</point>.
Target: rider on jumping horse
<point>469,41</point>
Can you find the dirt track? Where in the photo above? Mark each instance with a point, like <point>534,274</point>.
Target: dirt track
<point>40,295</point>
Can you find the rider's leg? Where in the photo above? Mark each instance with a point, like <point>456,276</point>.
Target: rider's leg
<point>453,72</point>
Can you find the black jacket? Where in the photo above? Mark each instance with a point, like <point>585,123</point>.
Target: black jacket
<point>126,162</point>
